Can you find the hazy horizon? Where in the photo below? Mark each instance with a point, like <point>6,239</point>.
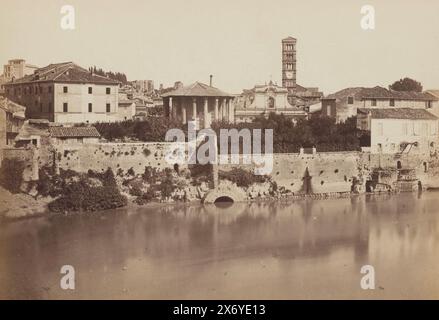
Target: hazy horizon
<point>238,42</point>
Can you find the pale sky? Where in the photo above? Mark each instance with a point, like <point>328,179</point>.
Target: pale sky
<point>238,41</point>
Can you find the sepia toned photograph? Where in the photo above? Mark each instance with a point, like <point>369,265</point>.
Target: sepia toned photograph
<point>219,150</point>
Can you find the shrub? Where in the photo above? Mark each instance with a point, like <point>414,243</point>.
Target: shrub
<point>241,177</point>
<point>79,195</point>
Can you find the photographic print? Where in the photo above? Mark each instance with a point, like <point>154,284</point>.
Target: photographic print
<point>219,150</point>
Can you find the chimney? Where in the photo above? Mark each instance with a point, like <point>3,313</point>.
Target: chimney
<point>210,83</point>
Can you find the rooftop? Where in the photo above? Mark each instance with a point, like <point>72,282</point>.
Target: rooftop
<point>74,132</point>
<point>398,113</point>
<point>196,89</point>
<point>378,92</point>
<point>64,72</point>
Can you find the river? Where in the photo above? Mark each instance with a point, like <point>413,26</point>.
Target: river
<point>275,250</point>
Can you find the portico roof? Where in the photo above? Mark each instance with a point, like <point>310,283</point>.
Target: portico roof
<point>197,89</point>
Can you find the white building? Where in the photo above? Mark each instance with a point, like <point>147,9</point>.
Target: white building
<point>344,103</point>
<point>263,100</point>
<point>399,130</point>
<point>66,93</point>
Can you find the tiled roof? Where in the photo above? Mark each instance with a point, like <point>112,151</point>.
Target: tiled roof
<point>433,93</point>
<point>398,113</point>
<point>380,93</point>
<point>197,89</point>
<point>64,72</point>
<point>74,132</point>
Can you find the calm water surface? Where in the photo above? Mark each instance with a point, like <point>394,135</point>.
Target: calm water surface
<point>281,250</point>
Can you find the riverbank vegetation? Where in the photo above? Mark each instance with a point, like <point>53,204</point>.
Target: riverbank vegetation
<point>75,191</point>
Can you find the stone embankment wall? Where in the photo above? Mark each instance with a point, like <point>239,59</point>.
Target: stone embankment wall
<point>298,173</point>
<point>117,156</point>
<point>28,156</point>
<point>314,173</point>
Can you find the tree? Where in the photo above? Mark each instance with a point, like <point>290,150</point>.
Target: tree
<point>406,84</point>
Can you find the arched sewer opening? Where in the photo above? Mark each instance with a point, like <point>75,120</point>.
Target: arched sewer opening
<point>223,202</point>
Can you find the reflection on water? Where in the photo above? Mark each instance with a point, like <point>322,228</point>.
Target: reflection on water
<point>280,250</point>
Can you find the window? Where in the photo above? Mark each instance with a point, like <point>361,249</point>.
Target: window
<point>108,90</point>
<point>65,107</point>
<point>392,102</point>
<point>90,90</point>
<point>374,102</point>
<point>108,107</point>
<point>350,100</point>
<point>428,104</point>
<point>65,90</point>
<point>90,107</point>
<point>49,89</point>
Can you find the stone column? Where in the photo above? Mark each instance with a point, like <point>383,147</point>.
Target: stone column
<point>231,111</point>
<point>221,111</point>
<point>194,109</point>
<point>216,109</point>
<point>206,112</point>
<point>226,113</point>
<point>183,112</point>
<point>170,107</point>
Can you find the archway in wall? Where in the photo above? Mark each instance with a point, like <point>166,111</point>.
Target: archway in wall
<point>223,199</point>
<point>398,165</point>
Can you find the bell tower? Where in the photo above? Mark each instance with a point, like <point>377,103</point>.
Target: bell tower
<point>289,63</point>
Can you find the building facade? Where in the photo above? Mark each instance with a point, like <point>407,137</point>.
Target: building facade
<point>66,93</point>
<point>11,120</point>
<point>399,130</point>
<point>263,100</point>
<point>17,68</point>
<point>347,101</point>
<point>200,103</point>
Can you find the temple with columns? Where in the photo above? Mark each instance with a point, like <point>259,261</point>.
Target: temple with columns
<point>199,102</point>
